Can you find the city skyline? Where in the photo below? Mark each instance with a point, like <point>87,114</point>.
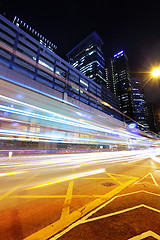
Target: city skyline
<point>132,28</point>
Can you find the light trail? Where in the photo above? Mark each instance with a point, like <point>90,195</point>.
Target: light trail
<point>23,121</point>
<point>65,120</point>
<point>76,160</point>
<point>69,177</point>
<point>11,173</point>
<point>68,166</point>
<point>37,137</point>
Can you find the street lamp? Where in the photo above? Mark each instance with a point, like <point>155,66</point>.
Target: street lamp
<point>156,72</point>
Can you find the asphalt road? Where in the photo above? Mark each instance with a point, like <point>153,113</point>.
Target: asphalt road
<point>112,195</point>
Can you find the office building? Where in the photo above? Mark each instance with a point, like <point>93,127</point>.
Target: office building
<point>109,77</point>
<point>139,105</point>
<point>88,58</point>
<point>153,119</point>
<point>121,82</point>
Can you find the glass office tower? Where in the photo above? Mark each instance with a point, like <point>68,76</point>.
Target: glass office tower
<point>88,58</point>
<point>139,103</point>
<point>121,83</point>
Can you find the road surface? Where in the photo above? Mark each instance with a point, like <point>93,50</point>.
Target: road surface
<point>101,195</point>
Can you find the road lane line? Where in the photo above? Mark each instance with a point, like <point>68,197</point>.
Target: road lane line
<point>57,226</point>
<point>142,178</point>
<point>83,220</point>
<point>120,175</point>
<point>16,187</point>
<point>81,196</point>
<point>121,212</point>
<point>113,214</point>
<point>94,210</point>
<point>37,196</point>
<point>54,196</point>
<point>115,179</point>
<point>154,180</point>
<point>67,201</point>
<point>145,235</point>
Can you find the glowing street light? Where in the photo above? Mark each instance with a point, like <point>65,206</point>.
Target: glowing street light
<point>156,72</point>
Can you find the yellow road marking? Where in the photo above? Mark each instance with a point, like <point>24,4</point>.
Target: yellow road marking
<point>142,178</point>
<point>97,178</point>
<point>54,196</point>
<point>122,211</point>
<point>146,235</point>
<point>154,180</point>
<point>83,220</point>
<point>62,223</point>
<point>16,187</point>
<point>115,179</point>
<point>67,201</point>
<point>140,191</point>
<point>120,175</point>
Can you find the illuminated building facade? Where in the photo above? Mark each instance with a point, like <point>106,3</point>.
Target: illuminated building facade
<point>121,83</point>
<point>88,58</point>
<point>139,103</point>
<point>27,52</point>
<point>35,58</point>
<point>37,86</point>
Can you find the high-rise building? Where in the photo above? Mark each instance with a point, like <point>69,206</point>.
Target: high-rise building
<point>139,104</point>
<point>109,77</point>
<point>153,119</point>
<point>88,58</point>
<point>121,82</point>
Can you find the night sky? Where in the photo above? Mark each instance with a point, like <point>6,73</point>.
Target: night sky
<point>133,26</point>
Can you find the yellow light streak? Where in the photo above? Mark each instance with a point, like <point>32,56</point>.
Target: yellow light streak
<point>67,178</point>
<point>11,173</point>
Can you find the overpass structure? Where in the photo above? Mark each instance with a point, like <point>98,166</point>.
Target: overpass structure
<point>35,120</point>
<point>46,104</point>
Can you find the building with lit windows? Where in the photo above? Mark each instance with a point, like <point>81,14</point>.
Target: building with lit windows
<point>32,58</point>
<point>121,83</point>
<point>139,104</point>
<point>88,58</point>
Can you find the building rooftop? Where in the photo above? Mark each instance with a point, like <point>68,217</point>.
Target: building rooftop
<point>93,34</point>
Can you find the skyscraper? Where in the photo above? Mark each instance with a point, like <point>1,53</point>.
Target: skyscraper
<point>88,58</point>
<point>121,82</point>
<point>139,104</point>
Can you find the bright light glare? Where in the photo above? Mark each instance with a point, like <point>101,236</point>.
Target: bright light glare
<point>156,72</point>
